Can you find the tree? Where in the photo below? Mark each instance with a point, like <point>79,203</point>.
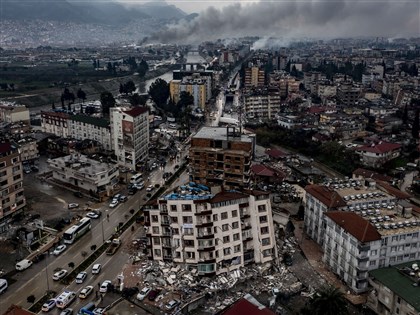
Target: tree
<point>137,99</point>
<point>129,87</point>
<point>159,92</point>
<point>30,299</point>
<point>53,106</point>
<point>71,265</point>
<point>142,68</point>
<point>81,95</point>
<point>328,300</point>
<point>107,101</point>
<point>416,126</point>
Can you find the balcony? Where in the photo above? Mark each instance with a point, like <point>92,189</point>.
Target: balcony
<point>166,245</point>
<point>245,215</point>
<point>204,212</point>
<point>165,222</point>
<point>206,248</point>
<point>204,223</point>
<point>245,226</point>
<point>243,205</point>
<point>205,235</point>
<point>206,260</point>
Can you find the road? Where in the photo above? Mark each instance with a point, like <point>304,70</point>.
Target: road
<point>37,279</point>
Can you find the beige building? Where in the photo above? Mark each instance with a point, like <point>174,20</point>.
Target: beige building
<point>254,77</point>
<point>28,149</point>
<point>11,113</point>
<point>11,184</point>
<point>195,85</point>
<point>262,103</point>
<point>55,123</point>
<point>211,233</point>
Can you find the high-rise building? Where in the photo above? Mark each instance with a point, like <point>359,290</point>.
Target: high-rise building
<point>221,157</point>
<point>130,135</point>
<point>254,77</point>
<point>11,184</point>
<point>213,233</point>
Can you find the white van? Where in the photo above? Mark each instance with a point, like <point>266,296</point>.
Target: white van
<point>136,178</point>
<point>3,285</point>
<point>23,264</point>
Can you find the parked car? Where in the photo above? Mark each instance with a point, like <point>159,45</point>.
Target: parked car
<point>34,168</point>
<point>143,293</point>
<point>122,198</point>
<point>132,191</point>
<point>172,304</point>
<point>150,188</point>
<point>59,249</point>
<point>96,269</point>
<point>48,306</point>
<point>81,277</point>
<point>73,205</point>
<point>104,286</point>
<point>86,291</point>
<point>95,214</point>
<point>113,203</point>
<point>60,274</point>
<point>153,294</point>
<point>99,311</point>
<point>67,311</point>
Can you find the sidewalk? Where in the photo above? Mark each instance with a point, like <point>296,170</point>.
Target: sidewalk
<point>313,254</point>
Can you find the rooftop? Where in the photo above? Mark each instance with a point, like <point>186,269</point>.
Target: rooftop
<point>398,281</point>
<point>99,122</point>
<point>247,305</point>
<point>136,111</point>
<point>220,133</point>
<point>381,147</point>
<point>81,164</point>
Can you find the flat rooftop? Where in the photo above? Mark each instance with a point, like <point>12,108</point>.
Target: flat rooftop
<point>220,133</point>
<point>81,164</point>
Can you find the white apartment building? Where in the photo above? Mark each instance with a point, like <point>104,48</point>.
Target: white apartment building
<point>360,228</point>
<point>262,103</point>
<point>130,135</point>
<point>11,113</point>
<point>84,174</point>
<point>55,123</point>
<point>86,127</point>
<point>212,233</point>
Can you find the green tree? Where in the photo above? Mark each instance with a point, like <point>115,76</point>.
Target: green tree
<point>137,99</point>
<point>142,68</point>
<point>327,301</point>
<point>81,95</point>
<point>129,87</point>
<point>159,92</point>
<point>107,101</point>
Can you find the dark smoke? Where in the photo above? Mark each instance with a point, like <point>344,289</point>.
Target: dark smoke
<point>300,18</point>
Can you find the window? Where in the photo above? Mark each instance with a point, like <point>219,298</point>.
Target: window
<point>237,248</point>
<point>173,208</point>
<point>16,177</point>
<point>215,217</point>
<point>235,225</point>
<point>224,215</point>
<point>264,230</point>
<point>261,208</point>
<point>188,231</point>
<point>187,220</point>
<point>226,251</point>
<point>393,248</point>
<point>155,218</point>
<point>156,241</point>
<point>174,219</point>
<point>158,252</point>
<point>225,227</point>
<point>263,219</point>
<point>190,255</point>
<point>414,245</point>
<point>2,164</point>
<point>234,213</point>
<point>392,259</point>
<point>415,235</point>
<point>155,230</point>
<point>236,237</point>
<point>265,241</point>
<point>374,252</point>
<point>188,243</point>
<point>226,239</point>
<point>175,231</point>
<point>394,238</point>
<point>186,207</point>
<point>372,263</point>
<point>402,237</point>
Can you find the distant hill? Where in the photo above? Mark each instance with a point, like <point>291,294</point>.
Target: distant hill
<point>92,11</point>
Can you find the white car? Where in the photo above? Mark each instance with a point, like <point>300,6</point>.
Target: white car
<point>113,203</point>
<point>59,249</point>
<point>150,188</point>
<point>60,274</point>
<point>99,311</point>
<point>93,214</point>
<point>86,291</point>
<point>143,293</point>
<point>81,277</point>
<point>104,286</point>
<point>73,205</point>
<point>48,306</point>
<point>96,269</point>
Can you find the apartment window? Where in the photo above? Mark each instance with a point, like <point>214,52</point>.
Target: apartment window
<point>226,251</point>
<point>392,259</point>
<point>15,169</point>
<point>15,160</point>
<point>156,241</point>
<point>374,252</point>
<point>226,239</point>
<point>186,207</point>
<point>236,248</point>
<point>236,237</point>
<point>187,220</point>
<point>264,230</point>
<point>413,245</point>
<point>215,217</point>
<point>2,164</point>
<point>265,241</point>
<point>415,235</point>
<point>234,213</point>
<point>413,256</point>
<point>174,219</point>
<point>224,215</point>
<point>16,177</point>
<point>393,248</point>
<point>173,208</point>
<point>399,258</point>
<point>155,218</point>
<point>155,230</point>
<point>394,239</point>
<point>157,252</point>
<point>372,263</point>
<point>263,219</point>
<point>235,225</point>
<point>402,237</point>
<point>188,243</point>
<point>3,183</point>
<point>261,208</point>
<point>175,231</point>
<point>188,231</point>
<point>190,255</point>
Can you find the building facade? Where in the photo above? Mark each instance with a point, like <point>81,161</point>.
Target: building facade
<point>262,103</point>
<point>221,157</point>
<point>11,184</point>
<point>254,77</point>
<point>11,113</point>
<point>212,233</point>
<point>28,148</point>
<point>55,123</point>
<point>130,135</point>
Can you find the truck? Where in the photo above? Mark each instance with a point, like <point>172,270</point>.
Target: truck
<point>113,247</point>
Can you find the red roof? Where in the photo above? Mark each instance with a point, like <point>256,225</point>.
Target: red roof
<point>227,195</point>
<point>17,310</point>
<point>245,307</point>
<point>275,153</point>
<point>371,174</point>
<point>316,109</point>
<point>136,111</point>
<point>55,114</point>
<point>381,147</point>
<point>328,197</point>
<point>354,224</point>
<point>393,191</point>
<point>261,170</point>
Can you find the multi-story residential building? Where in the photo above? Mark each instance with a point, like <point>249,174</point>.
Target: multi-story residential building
<point>11,113</point>
<point>348,94</point>
<point>377,154</point>
<point>130,135</point>
<point>290,121</point>
<point>360,228</point>
<point>11,184</point>
<point>192,71</point>
<point>212,233</point>
<point>28,148</point>
<point>55,123</point>
<point>198,87</point>
<point>86,127</point>
<point>221,157</point>
<point>254,77</point>
<point>85,175</point>
<point>395,289</point>
<point>262,103</point>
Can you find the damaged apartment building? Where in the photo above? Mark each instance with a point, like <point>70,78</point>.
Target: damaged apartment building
<point>211,233</point>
